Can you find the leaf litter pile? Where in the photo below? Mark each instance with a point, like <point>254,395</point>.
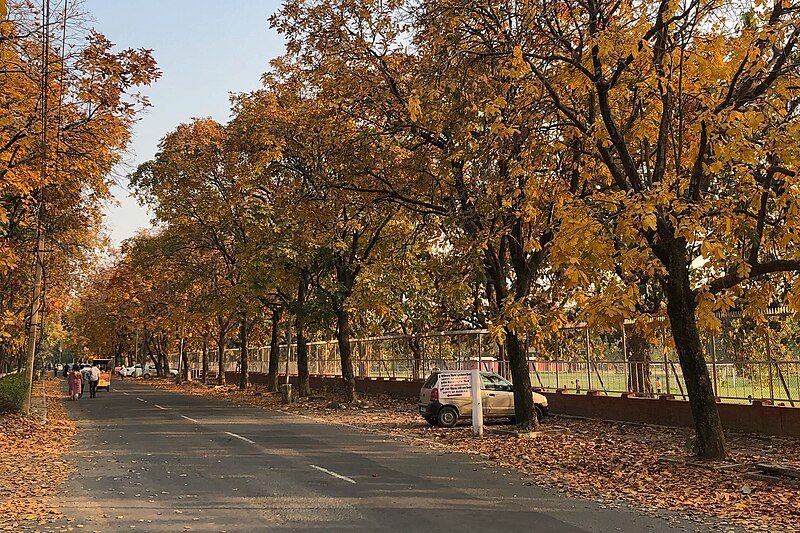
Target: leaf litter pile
<point>32,462</point>
<point>647,467</point>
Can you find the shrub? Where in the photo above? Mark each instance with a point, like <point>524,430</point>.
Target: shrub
<point>12,393</point>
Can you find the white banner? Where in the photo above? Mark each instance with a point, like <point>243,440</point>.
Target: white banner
<point>454,384</point>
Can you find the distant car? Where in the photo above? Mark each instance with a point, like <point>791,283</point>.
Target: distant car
<point>497,397</point>
<point>151,372</point>
<point>128,371</point>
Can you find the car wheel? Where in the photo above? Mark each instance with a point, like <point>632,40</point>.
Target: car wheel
<point>431,420</point>
<point>448,416</point>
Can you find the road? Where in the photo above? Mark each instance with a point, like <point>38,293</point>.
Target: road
<point>152,460</point>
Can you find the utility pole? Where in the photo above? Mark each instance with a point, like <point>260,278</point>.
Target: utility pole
<point>36,300</point>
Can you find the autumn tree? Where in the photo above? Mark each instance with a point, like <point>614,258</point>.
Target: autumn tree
<point>68,107</point>
<point>689,121</point>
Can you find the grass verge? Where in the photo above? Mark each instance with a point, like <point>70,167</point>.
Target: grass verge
<point>12,393</point>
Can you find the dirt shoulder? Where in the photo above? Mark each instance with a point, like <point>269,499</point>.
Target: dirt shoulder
<point>33,463</point>
<point>613,463</point>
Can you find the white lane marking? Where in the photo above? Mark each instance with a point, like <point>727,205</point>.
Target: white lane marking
<point>334,474</point>
<point>162,408</point>
<point>145,401</point>
<point>190,419</point>
<point>125,393</point>
<point>240,437</point>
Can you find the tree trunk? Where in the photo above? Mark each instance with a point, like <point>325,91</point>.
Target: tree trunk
<point>638,357</point>
<point>681,309</point>
<point>205,359</point>
<point>274,351</point>
<point>184,362</point>
<point>345,356</point>
<point>244,376</point>
<point>524,411</point>
<point>221,357</point>
<point>303,388</point>
<point>414,345</point>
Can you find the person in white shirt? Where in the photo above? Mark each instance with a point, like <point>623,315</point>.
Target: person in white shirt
<point>94,377</point>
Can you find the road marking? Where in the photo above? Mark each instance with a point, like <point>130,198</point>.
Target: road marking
<point>334,474</point>
<point>145,401</point>
<point>240,437</point>
<point>190,419</point>
<point>125,393</point>
<point>163,408</point>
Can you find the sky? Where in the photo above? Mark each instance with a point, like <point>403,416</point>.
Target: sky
<point>206,50</point>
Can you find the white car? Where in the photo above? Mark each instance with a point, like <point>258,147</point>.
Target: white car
<point>150,371</point>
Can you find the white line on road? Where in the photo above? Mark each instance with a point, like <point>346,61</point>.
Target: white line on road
<point>190,419</point>
<point>334,474</point>
<point>240,437</point>
<point>125,393</point>
<point>145,401</point>
<point>163,408</point>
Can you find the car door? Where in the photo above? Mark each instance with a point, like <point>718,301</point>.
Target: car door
<point>500,396</point>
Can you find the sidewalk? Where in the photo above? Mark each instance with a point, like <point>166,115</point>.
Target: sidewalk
<point>33,463</point>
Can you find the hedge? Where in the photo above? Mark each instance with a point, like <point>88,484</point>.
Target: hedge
<point>12,393</point>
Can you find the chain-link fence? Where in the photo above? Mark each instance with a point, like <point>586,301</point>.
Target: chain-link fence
<point>748,360</point>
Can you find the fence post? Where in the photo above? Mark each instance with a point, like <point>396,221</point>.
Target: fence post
<point>625,358</point>
<point>714,364</point>
<point>558,358</point>
<point>666,361</point>
<point>588,361</point>
<point>769,363</point>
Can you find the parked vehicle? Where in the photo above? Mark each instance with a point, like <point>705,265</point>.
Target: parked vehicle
<point>128,371</point>
<point>497,397</point>
<point>150,371</point>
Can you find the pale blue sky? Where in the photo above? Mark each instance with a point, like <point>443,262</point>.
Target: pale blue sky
<point>206,50</point>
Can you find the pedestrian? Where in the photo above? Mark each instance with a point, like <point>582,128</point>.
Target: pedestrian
<point>55,371</point>
<point>66,370</point>
<point>75,383</point>
<point>94,377</point>
<point>658,385</point>
<point>577,385</point>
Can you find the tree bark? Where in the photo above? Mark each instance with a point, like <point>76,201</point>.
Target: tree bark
<point>345,355</point>
<point>414,345</point>
<point>638,358</point>
<point>681,309</point>
<point>274,351</point>
<point>524,410</point>
<point>221,356</point>
<point>205,359</point>
<point>303,388</point>
<point>244,376</point>
<point>184,362</point>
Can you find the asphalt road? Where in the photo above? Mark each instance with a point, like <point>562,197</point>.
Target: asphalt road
<point>151,460</point>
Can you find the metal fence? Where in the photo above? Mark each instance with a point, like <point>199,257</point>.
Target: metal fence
<point>745,363</point>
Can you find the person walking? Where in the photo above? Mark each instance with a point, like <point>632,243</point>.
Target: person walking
<point>66,370</point>
<point>94,377</point>
<point>75,383</point>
